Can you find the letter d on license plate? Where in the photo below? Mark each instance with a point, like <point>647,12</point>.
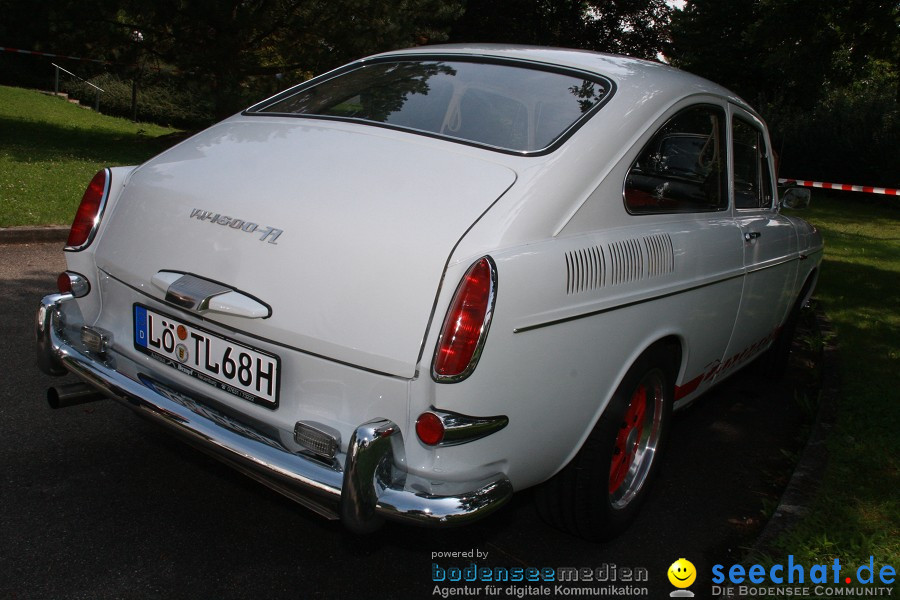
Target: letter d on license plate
<point>246,372</point>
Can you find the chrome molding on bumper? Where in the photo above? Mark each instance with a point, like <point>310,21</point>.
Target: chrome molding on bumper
<point>371,485</point>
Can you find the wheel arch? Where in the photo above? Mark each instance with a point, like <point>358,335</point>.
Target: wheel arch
<point>809,286</point>
<point>672,345</point>
<point>567,499</point>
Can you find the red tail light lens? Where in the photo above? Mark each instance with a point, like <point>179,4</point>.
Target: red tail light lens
<point>63,283</point>
<point>87,218</point>
<point>466,325</point>
<point>430,428</point>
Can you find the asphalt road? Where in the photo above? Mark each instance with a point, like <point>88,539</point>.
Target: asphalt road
<point>96,503</point>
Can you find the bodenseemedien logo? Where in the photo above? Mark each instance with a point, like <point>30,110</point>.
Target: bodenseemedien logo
<point>682,575</point>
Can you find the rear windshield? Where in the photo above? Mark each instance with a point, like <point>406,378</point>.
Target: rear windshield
<point>502,106</point>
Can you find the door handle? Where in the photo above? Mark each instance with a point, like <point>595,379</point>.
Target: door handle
<point>751,235</point>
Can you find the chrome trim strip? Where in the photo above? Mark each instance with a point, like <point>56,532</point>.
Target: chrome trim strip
<point>482,58</point>
<point>461,429</point>
<point>775,263</point>
<point>374,484</point>
<point>624,305</point>
<point>594,313</point>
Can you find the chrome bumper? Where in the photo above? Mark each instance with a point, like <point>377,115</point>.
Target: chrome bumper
<point>367,488</point>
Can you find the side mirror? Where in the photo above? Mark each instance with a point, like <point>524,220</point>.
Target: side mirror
<point>795,198</point>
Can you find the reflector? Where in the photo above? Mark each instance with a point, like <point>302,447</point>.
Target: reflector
<point>318,438</point>
<point>94,339</point>
<point>430,428</point>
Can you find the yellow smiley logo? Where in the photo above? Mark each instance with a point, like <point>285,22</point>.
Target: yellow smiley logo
<point>682,573</point>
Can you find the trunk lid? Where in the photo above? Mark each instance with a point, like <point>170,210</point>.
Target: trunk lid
<point>343,230</point>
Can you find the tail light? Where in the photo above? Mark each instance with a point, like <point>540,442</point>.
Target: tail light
<point>466,324</point>
<point>73,283</point>
<point>87,218</point>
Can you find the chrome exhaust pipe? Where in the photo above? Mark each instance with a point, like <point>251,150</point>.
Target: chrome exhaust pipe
<point>72,394</point>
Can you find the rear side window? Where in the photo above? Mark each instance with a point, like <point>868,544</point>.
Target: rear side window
<point>683,167</point>
<point>503,106</point>
<point>752,180</point>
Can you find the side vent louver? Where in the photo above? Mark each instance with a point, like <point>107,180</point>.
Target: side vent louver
<point>585,269</point>
<point>619,262</point>
<point>660,255</point>
<point>626,261</point>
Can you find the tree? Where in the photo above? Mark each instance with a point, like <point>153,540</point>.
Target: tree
<point>634,27</point>
<point>711,38</point>
<point>792,50</point>
<point>236,47</point>
<point>233,44</point>
<point>824,73</point>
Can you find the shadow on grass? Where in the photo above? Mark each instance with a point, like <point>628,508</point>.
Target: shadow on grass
<point>861,300</point>
<point>872,289</point>
<point>854,248</point>
<point>34,141</point>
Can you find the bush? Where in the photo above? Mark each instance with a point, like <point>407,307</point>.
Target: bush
<point>165,100</point>
<point>851,136</point>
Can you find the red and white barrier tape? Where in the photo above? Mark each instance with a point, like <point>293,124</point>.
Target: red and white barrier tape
<point>18,51</point>
<point>842,186</point>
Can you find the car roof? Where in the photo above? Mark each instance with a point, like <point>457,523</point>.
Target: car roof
<point>633,76</point>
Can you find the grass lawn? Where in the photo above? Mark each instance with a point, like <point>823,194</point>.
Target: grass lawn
<point>857,511</point>
<point>50,149</point>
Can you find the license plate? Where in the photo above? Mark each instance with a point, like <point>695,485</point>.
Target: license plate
<point>248,373</point>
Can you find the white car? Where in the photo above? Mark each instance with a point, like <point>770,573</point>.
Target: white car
<point>413,285</point>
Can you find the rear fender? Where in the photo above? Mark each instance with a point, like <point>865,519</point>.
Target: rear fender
<point>83,261</point>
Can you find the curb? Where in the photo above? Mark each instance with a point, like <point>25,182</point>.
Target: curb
<point>33,235</point>
<point>804,483</point>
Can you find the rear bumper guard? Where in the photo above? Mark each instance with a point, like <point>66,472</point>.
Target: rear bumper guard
<point>370,486</point>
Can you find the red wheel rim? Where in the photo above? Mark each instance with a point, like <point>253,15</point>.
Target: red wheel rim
<point>628,439</point>
<point>635,445</point>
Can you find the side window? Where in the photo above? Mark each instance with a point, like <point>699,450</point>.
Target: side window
<point>752,180</point>
<point>682,169</point>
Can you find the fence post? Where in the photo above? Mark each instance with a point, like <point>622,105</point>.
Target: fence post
<point>56,81</point>
<point>134,93</point>
<point>97,102</point>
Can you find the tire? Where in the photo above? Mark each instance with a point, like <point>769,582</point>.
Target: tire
<point>598,494</point>
<point>774,362</point>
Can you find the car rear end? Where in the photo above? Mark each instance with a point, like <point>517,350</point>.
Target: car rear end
<point>266,288</point>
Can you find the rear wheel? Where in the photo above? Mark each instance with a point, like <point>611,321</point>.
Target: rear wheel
<point>598,494</point>
<point>774,362</point>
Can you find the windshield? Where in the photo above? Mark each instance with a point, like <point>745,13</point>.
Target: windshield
<point>503,106</point>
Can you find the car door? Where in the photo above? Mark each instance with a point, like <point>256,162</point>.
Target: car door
<point>682,175</point>
<point>769,241</point>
